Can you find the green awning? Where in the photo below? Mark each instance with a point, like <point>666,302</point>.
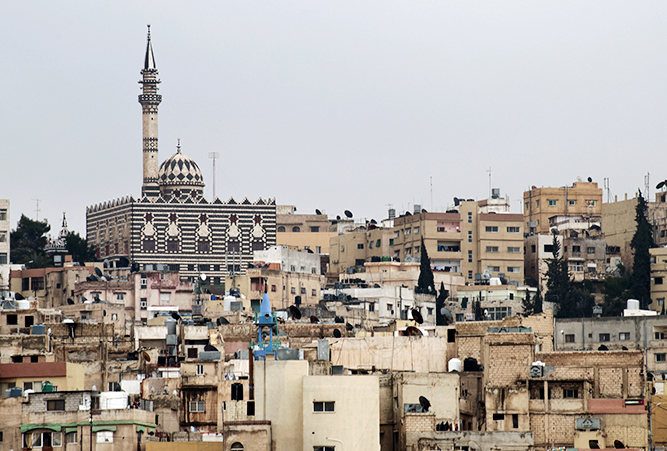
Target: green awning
<point>104,427</point>
<point>68,430</point>
<point>32,427</point>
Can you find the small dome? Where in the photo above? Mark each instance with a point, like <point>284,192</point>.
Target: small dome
<point>179,175</point>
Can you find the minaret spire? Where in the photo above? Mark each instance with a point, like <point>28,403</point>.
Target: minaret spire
<point>150,100</point>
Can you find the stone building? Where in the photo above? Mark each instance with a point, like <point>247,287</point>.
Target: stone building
<point>172,223</point>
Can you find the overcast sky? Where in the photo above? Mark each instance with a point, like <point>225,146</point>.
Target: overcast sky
<point>332,104</point>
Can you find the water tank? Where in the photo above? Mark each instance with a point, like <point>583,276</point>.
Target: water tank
<point>392,213</point>
<point>417,209</point>
<point>495,193</point>
<point>171,326</point>
<point>23,304</point>
<point>633,304</point>
<point>14,392</point>
<point>495,281</point>
<point>38,329</point>
<point>454,365</point>
<point>227,302</point>
<point>47,387</point>
<point>113,400</point>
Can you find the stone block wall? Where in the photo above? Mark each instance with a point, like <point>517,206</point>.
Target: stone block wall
<point>419,422</point>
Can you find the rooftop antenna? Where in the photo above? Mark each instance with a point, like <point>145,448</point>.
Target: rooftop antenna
<point>213,156</point>
<point>489,171</point>
<point>606,188</point>
<point>431,193</point>
<point>647,184</point>
<point>37,210</point>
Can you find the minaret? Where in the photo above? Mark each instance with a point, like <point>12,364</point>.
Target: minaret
<point>149,101</point>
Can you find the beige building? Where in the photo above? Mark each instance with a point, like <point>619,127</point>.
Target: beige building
<point>658,278</point>
<point>63,376</point>
<point>5,229</point>
<point>303,231</point>
<point>349,251</point>
<point>540,204</point>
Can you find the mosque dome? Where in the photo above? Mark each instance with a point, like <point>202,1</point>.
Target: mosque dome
<point>179,175</point>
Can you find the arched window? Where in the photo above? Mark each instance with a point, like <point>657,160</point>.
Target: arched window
<point>281,229</point>
<point>296,229</point>
<point>237,447</point>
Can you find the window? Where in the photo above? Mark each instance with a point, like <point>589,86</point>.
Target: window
<point>514,230</point>
<point>71,438</point>
<point>104,436</point>
<point>492,229</point>
<point>569,338</point>
<point>552,202</point>
<point>571,203</point>
<point>342,248</point>
<point>36,283</point>
<point>371,307</point>
<point>3,214</point>
<point>324,448</point>
<point>120,296</point>
<point>514,250</point>
<point>143,303</point>
<point>416,230</point>
<point>590,250</point>
<point>281,229</point>
<point>498,417</point>
<point>624,336</point>
<point>233,246</point>
<point>537,203</point>
<point>273,289</point>
<point>192,353</point>
<point>407,231</point>
<point>360,245</point>
<point>197,406</point>
<point>12,320</point>
<point>236,446</point>
<point>469,236</point>
<point>469,217</point>
<point>314,292</point>
<point>165,296</point>
<point>323,406</point>
<point>3,258</point>
<point>660,357</point>
<point>470,274</point>
<point>469,256</point>
<point>172,245</point>
<point>318,249</point>
<point>199,369</point>
<point>144,282</point>
<point>303,290</point>
<point>604,337</point>
<point>149,245</point>
<point>237,392</point>
<point>55,404</point>
<point>515,421</point>
<point>570,393</point>
<point>514,269</point>
<point>203,246</point>
<point>657,280</point>
<point>591,203</point>
<point>296,229</point>
<point>114,317</point>
<point>496,313</point>
<point>491,248</point>
<point>314,229</point>
<point>293,290</point>
<point>378,243</point>
<point>576,248</point>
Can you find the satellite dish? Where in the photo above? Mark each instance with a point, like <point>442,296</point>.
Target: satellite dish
<point>593,444</point>
<point>590,179</point>
<point>417,316</point>
<point>339,320</point>
<point>661,184</point>
<point>348,326</point>
<point>210,348</point>
<point>175,315</point>
<point>318,212</point>
<point>147,356</point>
<point>338,217</point>
<point>222,320</point>
<point>407,213</point>
<point>294,312</point>
<point>336,333</point>
<point>412,331</point>
<point>202,276</point>
<point>554,231</point>
<point>18,296</point>
<point>348,213</point>
<point>424,210</point>
<point>98,272</point>
<point>424,403</point>
<point>619,444</point>
<point>373,221</point>
<point>603,348</point>
<point>314,319</point>
<point>447,315</point>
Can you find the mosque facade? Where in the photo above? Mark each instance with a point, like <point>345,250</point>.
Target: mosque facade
<point>172,224</point>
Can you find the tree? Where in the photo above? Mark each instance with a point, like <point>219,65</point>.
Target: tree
<point>537,302</point>
<point>477,309</point>
<point>425,283</point>
<point>558,279</point>
<point>28,241</point>
<point>641,242</point>
<point>79,248</point>
<point>443,294</point>
<point>527,304</point>
<point>616,292</point>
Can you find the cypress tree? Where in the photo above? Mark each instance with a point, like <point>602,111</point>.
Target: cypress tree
<point>642,241</point>
<point>425,283</point>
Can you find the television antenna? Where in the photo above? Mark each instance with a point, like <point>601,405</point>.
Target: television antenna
<point>37,210</point>
<point>213,156</point>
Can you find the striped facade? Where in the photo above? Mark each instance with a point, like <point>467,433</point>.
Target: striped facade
<point>190,236</point>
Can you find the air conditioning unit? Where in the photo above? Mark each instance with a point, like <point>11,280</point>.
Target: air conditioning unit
<point>335,261</point>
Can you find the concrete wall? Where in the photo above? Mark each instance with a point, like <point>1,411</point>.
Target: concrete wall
<point>356,417</point>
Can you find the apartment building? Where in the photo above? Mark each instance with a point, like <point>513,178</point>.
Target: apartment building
<point>469,241</point>
<point>540,204</point>
<point>4,243</point>
<point>658,278</point>
<point>303,231</point>
<point>363,244</point>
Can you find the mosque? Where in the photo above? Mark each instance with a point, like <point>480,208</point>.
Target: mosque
<point>172,225</point>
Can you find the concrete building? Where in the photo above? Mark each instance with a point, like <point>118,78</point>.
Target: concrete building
<point>349,251</point>
<point>172,223</point>
<point>63,376</point>
<point>303,232</point>
<point>496,301</point>
<point>540,204</point>
<point>658,278</point>
<point>538,251</point>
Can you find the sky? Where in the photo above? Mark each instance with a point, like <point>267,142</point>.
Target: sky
<point>335,105</point>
